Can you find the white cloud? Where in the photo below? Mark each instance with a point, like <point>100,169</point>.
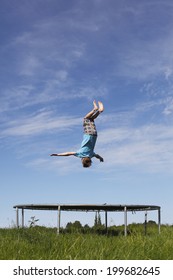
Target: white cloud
<point>168,72</point>
<point>40,123</point>
<point>148,148</point>
<point>60,165</point>
<point>147,60</point>
<point>168,110</point>
<point>30,65</point>
<point>122,142</point>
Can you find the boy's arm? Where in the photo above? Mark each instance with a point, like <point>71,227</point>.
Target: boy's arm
<point>63,154</point>
<point>99,157</point>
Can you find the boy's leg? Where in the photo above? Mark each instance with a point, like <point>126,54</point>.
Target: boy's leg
<point>96,111</point>
<point>88,123</point>
<point>101,107</point>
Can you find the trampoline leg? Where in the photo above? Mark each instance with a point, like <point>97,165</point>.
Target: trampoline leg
<point>106,221</point>
<point>59,219</point>
<point>125,221</point>
<point>145,224</point>
<point>159,219</point>
<point>17,217</point>
<point>22,218</point>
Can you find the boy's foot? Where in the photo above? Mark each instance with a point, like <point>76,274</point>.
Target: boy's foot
<point>101,107</point>
<point>95,106</point>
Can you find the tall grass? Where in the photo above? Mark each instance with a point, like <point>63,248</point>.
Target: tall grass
<point>43,243</point>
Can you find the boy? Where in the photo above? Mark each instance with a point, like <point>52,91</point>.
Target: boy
<point>86,151</point>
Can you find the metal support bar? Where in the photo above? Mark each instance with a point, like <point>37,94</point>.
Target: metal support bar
<point>145,223</point>
<point>106,221</point>
<point>159,219</point>
<point>22,217</point>
<point>125,221</point>
<point>59,219</point>
<point>17,217</point>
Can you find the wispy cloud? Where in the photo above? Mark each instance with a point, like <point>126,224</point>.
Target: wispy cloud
<point>168,110</point>
<point>50,59</point>
<point>37,124</point>
<point>147,148</point>
<point>56,88</point>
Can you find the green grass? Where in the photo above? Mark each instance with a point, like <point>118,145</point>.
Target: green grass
<point>43,243</point>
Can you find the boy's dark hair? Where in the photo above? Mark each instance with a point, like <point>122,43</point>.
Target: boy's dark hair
<point>86,162</point>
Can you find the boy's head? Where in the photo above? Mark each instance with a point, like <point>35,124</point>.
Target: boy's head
<point>86,162</point>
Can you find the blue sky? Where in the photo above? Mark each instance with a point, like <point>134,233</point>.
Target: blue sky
<point>57,57</point>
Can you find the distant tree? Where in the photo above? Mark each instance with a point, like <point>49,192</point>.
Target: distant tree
<point>76,226</point>
<point>86,226</point>
<point>69,225</point>
<point>97,220</point>
<point>151,222</point>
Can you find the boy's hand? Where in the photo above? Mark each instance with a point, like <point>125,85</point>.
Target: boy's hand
<point>54,155</point>
<point>101,159</point>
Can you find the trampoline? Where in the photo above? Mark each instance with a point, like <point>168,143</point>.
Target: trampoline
<point>89,208</point>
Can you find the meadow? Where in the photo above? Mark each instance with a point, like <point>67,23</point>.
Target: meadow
<point>38,243</point>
